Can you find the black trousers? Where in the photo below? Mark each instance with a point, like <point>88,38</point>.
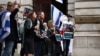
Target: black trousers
<point>66,49</point>
<point>22,52</point>
<point>39,48</point>
<point>0,48</point>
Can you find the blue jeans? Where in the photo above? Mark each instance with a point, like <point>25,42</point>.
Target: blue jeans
<point>8,48</point>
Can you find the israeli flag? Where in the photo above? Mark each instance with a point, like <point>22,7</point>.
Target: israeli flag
<point>5,26</point>
<point>60,1</point>
<point>56,15</point>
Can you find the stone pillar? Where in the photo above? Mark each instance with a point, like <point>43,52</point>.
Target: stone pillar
<point>87,31</point>
<point>71,7</point>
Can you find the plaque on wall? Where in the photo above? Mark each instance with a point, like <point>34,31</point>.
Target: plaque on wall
<point>89,19</point>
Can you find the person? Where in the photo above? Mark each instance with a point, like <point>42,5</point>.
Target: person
<point>52,40</point>
<point>1,10</point>
<point>70,28</point>
<point>5,28</point>
<point>29,34</point>
<point>71,23</point>
<point>38,39</point>
<point>22,26</point>
<point>14,31</point>
<point>13,35</point>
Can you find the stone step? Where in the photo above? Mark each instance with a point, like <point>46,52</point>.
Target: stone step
<point>87,42</point>
<point>86,52</point>
<point>87,34</point>
<point>87,27</point>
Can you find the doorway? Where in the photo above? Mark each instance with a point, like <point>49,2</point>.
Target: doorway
<point>45,5</point>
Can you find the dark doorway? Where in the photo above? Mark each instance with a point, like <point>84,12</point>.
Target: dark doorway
<point>45,5</point>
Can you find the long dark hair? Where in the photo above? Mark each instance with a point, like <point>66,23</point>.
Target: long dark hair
<point>31,14</point>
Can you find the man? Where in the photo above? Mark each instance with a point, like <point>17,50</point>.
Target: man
<point>68,42</point>
<point>45,46</point>
<point>13,35</point>
<point>39,40</point>
<point>1,10</point>
<point>5,23</point>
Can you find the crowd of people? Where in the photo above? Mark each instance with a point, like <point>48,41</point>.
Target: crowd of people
<point>36,36</point>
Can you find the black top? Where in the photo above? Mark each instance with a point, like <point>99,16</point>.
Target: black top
<point>51,35</point>
<point>29,29</point>
<point>41,28</point>
<point>13,24</point>
<point>30,32</point>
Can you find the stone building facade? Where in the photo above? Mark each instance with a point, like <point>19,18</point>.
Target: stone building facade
<point>87,30</point>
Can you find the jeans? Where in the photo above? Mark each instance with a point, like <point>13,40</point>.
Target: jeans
<point>8,48</point>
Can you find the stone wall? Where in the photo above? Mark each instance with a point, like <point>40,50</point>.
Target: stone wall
<point>71,7</point>
<point>87,31</point>
<point>24,4</point>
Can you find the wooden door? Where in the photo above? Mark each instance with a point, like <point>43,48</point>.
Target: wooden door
<point>43,5</point>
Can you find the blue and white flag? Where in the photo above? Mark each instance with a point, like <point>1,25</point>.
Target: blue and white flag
<point>5,26</point>
<point>58,18</point>
<point>60,1</point>
<point>56,15</point>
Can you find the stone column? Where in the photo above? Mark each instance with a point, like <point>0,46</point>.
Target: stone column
<point>87,31</point>
<point>71,7</point>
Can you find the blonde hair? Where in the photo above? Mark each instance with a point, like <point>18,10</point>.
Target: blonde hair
<point>50,23</point>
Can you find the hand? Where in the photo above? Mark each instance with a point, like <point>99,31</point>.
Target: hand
<point>36,27</point>
<point>54,32</point>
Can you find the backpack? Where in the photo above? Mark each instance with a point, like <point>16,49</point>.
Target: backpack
<point>28,24</point>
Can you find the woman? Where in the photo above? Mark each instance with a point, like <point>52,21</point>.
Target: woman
<point>54,46</point>
<point>29,34</point>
